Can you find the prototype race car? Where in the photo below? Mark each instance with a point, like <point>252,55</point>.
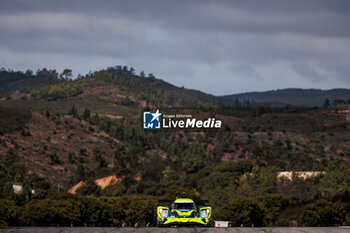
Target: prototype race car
<point>184,213</point>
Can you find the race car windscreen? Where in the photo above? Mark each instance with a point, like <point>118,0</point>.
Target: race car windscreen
<point>184,206</point>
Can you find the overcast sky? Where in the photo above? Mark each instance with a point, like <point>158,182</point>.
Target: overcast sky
<point>220,47</point>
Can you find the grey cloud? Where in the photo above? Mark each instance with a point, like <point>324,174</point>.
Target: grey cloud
<point>307,70</point>
<point>240,43</point>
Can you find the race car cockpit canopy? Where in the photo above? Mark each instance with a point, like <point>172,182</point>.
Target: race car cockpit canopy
<point>183,204</point>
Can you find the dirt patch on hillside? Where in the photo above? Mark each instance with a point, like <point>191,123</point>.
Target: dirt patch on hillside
<point>106,181</point>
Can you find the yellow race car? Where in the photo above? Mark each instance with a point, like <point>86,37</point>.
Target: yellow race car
<point>184,213</point>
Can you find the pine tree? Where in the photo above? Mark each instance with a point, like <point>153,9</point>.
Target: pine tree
<point>326,103</point>
<point>47,113</point>
<point>73,111</point>
<point>86,114</point>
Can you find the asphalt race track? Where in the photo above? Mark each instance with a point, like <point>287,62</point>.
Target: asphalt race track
<point>175,230</point>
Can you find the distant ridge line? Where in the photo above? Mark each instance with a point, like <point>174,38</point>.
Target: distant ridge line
<point>294,96</point>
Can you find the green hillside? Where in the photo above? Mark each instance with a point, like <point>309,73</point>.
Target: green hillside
<point>54,136</point>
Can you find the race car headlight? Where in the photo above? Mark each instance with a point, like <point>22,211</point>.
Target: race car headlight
<point>163,213</point>
<point>205,213</point>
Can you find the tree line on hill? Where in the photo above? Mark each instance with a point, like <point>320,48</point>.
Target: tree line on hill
<point>125,76</point>
<point>294,96</point>
<point>16,80</point>
<point>237,193</point>
<point>63,209</point>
